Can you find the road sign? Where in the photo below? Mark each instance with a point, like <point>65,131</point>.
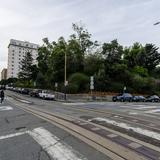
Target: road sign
<point>91,83</point>
<point>91,87</point>
<point>56,85</point>
<point>66,83</point>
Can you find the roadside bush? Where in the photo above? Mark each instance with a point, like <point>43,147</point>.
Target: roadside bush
<point>115,87</point>
<point>80,80</point>
<point>72,88</point>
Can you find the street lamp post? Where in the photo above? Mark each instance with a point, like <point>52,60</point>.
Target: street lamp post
<point>157,23</point>
<point>65,75</point>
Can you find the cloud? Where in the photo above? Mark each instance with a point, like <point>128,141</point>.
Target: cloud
<point>128,21</point>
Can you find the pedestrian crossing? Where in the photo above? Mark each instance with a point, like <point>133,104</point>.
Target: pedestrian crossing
<point>5,108</point>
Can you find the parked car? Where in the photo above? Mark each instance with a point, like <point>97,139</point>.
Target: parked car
<point>44,94</point>
<point>123,97</point>
<point>24,91</point>
<point>35,93</point>
<point>153,98</point>
<point>139,99</point>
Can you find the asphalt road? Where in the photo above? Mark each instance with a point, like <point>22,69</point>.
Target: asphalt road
<point>121,117</point>
<point>25,137</point>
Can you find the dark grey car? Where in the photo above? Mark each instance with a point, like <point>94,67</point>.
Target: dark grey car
<point>123,97</point>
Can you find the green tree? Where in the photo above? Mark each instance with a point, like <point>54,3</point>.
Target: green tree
<point>26,67</point>
<point>93,64</point>
<point>133,55</point>
<point>113,52</point>
<point>151,57</point>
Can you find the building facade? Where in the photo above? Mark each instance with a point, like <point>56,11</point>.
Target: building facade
<point>16,52</point>
<point>4,74</point>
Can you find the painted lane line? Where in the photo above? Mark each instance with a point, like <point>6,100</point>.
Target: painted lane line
<point>138,130</point>
<point>5,108</point>
<point>83,123</point>
<point>135,145</point>
<point>112,135</point>
<point>53,145</point>
<point>95,129</point>
<point>133,113</point>
<point>13,135</point>
<point>24,101</point>
<point>153,111</point>
<point>146,107</point>
<point>68,104</point>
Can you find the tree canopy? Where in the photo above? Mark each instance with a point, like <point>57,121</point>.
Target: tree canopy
<point>112,64</point>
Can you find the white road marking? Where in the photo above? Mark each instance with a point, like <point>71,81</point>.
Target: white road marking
<point>24,101</point>
<point>68,104</point>
<point>146,107</point>
<point>133,113</point>
<point>153,111</point>
<point>135,145</point>
<point>12,135</point>
<point>53,145</point>
<point>83,123</point>
<point>5,108</point>
<point>95,129</point>
<point>141,131</point>
<point>112,135</point>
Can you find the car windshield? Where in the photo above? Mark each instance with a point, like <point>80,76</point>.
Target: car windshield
<point>127,95</point>
<point>155,96</point>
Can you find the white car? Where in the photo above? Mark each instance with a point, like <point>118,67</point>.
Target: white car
<point>46,95</point>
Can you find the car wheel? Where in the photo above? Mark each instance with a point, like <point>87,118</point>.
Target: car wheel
<point>114,99</point>
<point>122,100</point>
<point>130,100</point>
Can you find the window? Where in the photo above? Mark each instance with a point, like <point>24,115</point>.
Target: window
<point>19,51</point>
<point>12,50</point>
<point>12,61</point>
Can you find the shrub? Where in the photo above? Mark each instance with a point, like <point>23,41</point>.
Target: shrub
<point>81,80</point>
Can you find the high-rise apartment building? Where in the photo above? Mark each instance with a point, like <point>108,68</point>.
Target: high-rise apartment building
<point>4,74</point>
<point>16,52</point>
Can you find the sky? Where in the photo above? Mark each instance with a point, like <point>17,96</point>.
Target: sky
<point>128,21</point>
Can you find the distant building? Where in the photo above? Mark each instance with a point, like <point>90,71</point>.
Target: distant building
<point>16,52</point>
<point>4,74</point>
